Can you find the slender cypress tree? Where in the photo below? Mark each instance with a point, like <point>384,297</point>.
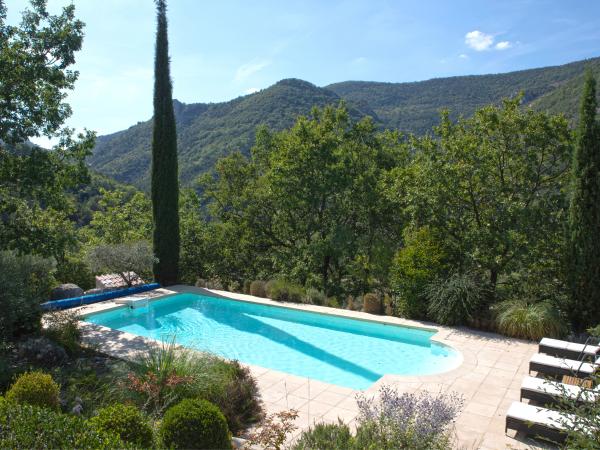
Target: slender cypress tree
<point>165,183</point>
<point>584,214</point>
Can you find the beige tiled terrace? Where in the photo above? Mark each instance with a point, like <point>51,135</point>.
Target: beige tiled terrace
<point>488,379</point>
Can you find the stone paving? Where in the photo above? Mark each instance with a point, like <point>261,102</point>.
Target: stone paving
<point>489,377</point>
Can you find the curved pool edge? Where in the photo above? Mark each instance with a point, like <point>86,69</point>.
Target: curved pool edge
<point>438,338</point>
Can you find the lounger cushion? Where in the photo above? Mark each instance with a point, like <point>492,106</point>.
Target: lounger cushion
<point>590,350</point>
<point>542,416</point>
<point>555,389</point>
<point>565,364</point>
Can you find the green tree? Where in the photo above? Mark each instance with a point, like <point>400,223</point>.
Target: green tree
<point>129,260</point>
<point>584,214</point>
<point>308,205</point>
<point>121,218</point>
<point>492,185</point>
<point>165,183</point>
<point>35,58</point>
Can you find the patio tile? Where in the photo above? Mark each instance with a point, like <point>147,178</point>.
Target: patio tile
<point>330,398</point>
<point>489,377</point>
<point>481,409</point>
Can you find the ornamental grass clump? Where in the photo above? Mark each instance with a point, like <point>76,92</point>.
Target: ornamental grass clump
<point>403,420</point>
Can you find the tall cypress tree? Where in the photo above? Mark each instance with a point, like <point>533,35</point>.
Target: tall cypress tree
<point>584,214</point>
<point>165,183</point>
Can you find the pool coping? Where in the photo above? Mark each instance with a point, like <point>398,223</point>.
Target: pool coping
<point>163,293</point>
<point>488,378</point>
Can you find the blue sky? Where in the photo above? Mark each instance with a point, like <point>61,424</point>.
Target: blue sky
<point>223,49</point>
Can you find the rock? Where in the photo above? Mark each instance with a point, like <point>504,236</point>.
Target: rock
<point>68,290</point>
<point>78,400</point>
<point>77,409</point>
<point>43,350</point>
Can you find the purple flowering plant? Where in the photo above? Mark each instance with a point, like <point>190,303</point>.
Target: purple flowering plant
<point>407,420</point>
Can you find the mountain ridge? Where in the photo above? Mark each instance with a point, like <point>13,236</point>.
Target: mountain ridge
<point>208,131</point>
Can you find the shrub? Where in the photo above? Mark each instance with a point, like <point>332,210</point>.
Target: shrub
<point>35,388</point>
<point>25,282</point>
<point>195,424</point>
<point>583,433</point>
<point>257,288</point>
<point>26,426</point>
<point>452,301</point>
<point>233,389</point>
<point>61,327</point>
<point>161,375</point>
<point>284,291</point>
<point>325,436</point>
<point>126,422</point>
<point>519,318</point>
<point>315,297</point>
<point>416,421</point>
<point>333,302</point>
<point>419,262</point>
<point>75,270</point>
<point>595,331</point>
<point>167,374</point>
<point>371,304</point>
<point>247,284</point>
<point>273,430</point>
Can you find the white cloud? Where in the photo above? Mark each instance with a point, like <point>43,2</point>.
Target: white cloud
<point>463,56</point>
<point>248,69</point>
<point>251,90</point>
<point>479,40</point>
<point>359,60</point>
<point>503,45</point>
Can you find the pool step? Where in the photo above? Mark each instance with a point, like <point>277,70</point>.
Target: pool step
<point>133,302</point>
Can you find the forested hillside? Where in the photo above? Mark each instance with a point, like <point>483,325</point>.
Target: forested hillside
<point>414,107</point>
<point>209,131</point>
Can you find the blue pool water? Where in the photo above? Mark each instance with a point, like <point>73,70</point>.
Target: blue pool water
<point>337,350</point>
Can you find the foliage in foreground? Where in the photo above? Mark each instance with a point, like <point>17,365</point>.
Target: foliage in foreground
<point>25,281</point>
<point>584,432</point>
<point>392,421</point>
<point>36,389</point>
<point>26,426</point>
<point>195,424</point>
<point>167,374</point>
<point>126,422</point>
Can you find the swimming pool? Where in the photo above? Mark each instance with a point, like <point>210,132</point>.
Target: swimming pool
<point>337,350</point>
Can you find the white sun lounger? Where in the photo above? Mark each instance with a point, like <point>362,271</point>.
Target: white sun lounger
<point>569,350</point>
<point>535,421</point>
<point>551,365</point>
<point>547,391</point>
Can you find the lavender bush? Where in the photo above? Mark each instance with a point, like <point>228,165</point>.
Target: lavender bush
<point>401,420</point>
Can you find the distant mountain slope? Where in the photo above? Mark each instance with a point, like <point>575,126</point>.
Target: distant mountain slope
<point>207,132</point>
<point>414,107</point>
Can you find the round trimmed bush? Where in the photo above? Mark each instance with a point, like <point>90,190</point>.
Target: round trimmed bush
<point>371,304</point>
<point>257,288</point>
<point>26,426</point>
<point>125,421</point>
<point>35,388</point>
<point>195,424</point>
